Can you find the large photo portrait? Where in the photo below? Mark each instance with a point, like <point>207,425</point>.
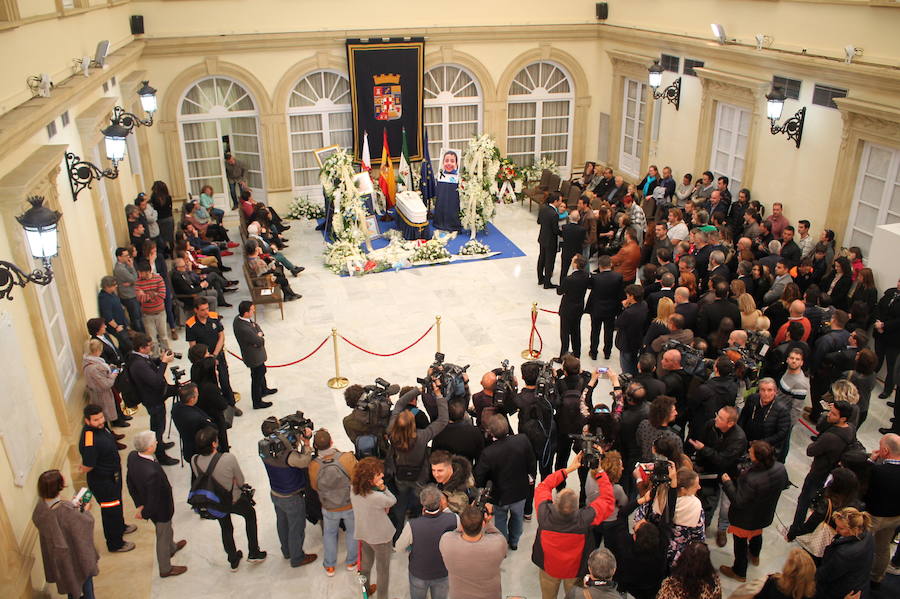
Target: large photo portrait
<point>451,162</point>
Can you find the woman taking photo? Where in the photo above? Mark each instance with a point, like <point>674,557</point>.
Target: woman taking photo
<point>797,579</point>
<point>754,497</point>
<point>678,504</point>
<point>371,502</point>
<point>848,559</point>
<point>693,576</point>
<point>66,532</point>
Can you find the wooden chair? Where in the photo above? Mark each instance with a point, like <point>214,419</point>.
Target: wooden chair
<point>547,181</point>
<point>262,291</point>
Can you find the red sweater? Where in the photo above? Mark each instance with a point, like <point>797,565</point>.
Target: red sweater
<point>562,545</point>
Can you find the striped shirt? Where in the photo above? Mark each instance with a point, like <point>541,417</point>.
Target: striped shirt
<point>151,293</point>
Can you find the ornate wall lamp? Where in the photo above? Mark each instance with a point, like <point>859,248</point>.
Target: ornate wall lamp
<point>82,172</point>
<point>793,127</point>
<point>672,94</point>
<point>129,120</point>
<point>40,224</point>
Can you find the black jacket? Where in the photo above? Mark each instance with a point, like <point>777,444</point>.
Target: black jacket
<point>548,219</point>
<point>110,354</point>
<point>754,496</point>
<point>460,438</point>
<point>573,236</point>
<point>607,293</point>
<point>630,327</point>
<point>703,404</point>
<point>712,314</point>
<point>148,379</point>
<point>653,299</point>
<point>627,441</point>
<point>722,450</point>
<point>653,385</point>
<point>827,450</point>
<point>775,427</point>
<point>689,310</point>
<point>573,289</point>
<point>188,420</point>
<point>841,295</point>
<point>845,567</point>
<point>149,487</point>
<point>507,462</point>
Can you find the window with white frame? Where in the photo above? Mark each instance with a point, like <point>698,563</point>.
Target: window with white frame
<point>58,335</point>
<point>634,126</point>
<point>319,115</point>
<point>540,116</point>
<point>729,149</point>
<point>453,109</point>
<point>877,198</point>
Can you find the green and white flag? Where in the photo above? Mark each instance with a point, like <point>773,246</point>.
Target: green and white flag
<point>404,168</point>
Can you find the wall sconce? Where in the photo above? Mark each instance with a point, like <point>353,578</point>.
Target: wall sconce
<point>40,224</point>
<point>793,127</point>
<point>672,93</point>
<point>82,172</point>
<point>130,120</point>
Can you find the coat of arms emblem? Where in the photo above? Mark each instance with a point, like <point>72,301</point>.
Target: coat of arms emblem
<point>386,96</point>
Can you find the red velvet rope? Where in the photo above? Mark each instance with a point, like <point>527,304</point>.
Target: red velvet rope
<point>372,353</point>
<point>548,311</point>
<point>309,355</point>
<point>808,427</point>
<point>531,334</point>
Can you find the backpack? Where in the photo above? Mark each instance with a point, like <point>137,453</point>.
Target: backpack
<point>366,446</point>
<point>333,483</point>
<point>207,497</point>
<point>126,386</point>
<point>569,416</point>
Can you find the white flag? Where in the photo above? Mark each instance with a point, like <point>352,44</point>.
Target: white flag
<point>366,164</point>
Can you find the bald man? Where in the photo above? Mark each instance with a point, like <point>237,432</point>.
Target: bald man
<point>484,398</point>
<point>687,308</point>
<point>881,501</point>
<point>796,314</point>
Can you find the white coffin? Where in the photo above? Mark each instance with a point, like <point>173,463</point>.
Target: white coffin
<point>410,205</point>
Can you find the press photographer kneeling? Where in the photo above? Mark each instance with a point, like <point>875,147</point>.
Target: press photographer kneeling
<point>288,480</point>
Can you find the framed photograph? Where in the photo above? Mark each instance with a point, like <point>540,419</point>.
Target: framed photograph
<point>372,226</point>
<point>322,154</point>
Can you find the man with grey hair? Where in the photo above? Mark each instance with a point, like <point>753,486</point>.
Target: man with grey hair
<point>561,543</point>
<point>598,584</point>
<point>881,502</point>
<point>421,538</point>
<point>717,267</point>
<point>152,494</point>
<point>510,465</point>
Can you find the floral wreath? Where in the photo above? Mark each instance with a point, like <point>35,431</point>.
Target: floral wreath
<point>478,183</point>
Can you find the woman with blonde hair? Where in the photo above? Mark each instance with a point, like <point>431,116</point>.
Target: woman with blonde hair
<point>797,579</point>
<point>749,313</point>
<point>660,325</point>
<point>99,379</point>
<point>842,390</point>
<point>848,559</point>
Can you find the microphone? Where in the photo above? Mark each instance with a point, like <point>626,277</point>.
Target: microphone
<point>393,389</point>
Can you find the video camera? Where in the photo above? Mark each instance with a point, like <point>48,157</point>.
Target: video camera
<point>376,401</point>
<point>506,389</point>
<point>590,455</point>
<point>692,360</point>
<point>447,376</point>
<point>281,434</point>
<point>483,497</point>
<point>177,374</point>
<point>545,387</point>
<point>658,471</point>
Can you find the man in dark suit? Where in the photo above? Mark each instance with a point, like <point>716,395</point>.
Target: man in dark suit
<point>152,494</point>
<point>615,193</point>
<point>790,251</point>
<point>461,437</point>
<point>188,419</point>
<point>148,378</point>
<point>571,306</point>
<point>667,289</point>
<point>607,182</point>
<point>630,328</point>
<point>252,342</point>
<point>573,237</point>
<point>603,304</point>
<point>184,282</point>
<point>687,308</point>
<point>548,239</point>
<point>717,267</point>
<point>711,314</point>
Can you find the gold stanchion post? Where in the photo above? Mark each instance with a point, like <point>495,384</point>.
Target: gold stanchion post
<point>531,353</point>
<point>437,323</point>
<point>337,381</point>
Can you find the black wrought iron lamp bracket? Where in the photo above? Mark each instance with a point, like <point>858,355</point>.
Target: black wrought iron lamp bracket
<point>129,120</point>
<point>12,276</point>
<point>793,127</point>
<point>672,94</point>
<point>82,173</point>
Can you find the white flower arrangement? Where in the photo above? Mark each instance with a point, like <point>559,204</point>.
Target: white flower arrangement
<point>302,208</point>
<point>533,173</point>
<point>349,220</point>
<point>430,251</point>
<point>397,252</point>
<point>473,247</point>
<point>478,183</point>
<point>340,254</point>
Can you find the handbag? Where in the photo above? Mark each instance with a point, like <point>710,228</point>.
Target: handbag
<point>228,416</point>
<point>749,589</point>
<point>816,541</point>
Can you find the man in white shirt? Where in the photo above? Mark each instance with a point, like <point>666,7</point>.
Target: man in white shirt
<point>804,240</point>
<point>678,230</point>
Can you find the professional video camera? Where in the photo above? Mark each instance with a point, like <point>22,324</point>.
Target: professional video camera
<point>506,388</point>
<point>483,497</point>
<point>658,470</point>
<point>449,377</point>
<point>281,434</point>
<point>545,387</point>
<point>590,455</point>
<point>376,401</point>
<point>692,360</point>
<point>758,344</point>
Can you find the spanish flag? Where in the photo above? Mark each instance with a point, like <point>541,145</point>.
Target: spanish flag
<point>386,180</point>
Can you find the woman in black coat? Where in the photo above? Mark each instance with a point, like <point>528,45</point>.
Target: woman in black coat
<point>210,400</point>
<point>848,559</point>
<point>754,497</point>
<point>837,284</point>
<point>641,561</point>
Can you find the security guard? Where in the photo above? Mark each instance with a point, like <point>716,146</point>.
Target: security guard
<point>100,460</point>
<point>206,327</point>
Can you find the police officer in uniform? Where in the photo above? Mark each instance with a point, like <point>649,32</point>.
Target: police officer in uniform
<point>288,480</point>
<point>206,327</point>
<point>100,460</point>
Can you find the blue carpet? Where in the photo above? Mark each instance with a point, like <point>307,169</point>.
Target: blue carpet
<point>491,236</point>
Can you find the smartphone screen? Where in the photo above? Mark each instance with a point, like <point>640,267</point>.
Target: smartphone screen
<point>602,370</point>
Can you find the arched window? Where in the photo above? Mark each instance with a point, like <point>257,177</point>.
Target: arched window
<point>453,109</point>
<point>540,112</point>
<point>217,115</point>
<point>319,115</point>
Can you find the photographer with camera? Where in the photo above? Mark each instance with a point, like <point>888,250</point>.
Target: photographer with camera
<point>635,409</point>
<point>509,464</point>
<point>563,540</point>
<point>499,390</point>
<point>574,388</point>
<point>210,398</point>
<point>537,403</point>
<point>453,381</point>
<point>223,468</point>
<point>189,419</point>
<point>461,437</point>
<point>720,390</point>
<point>473,553</point>
<point>148,379</point>
<point>206,327</point>
<point>288,480</point>
<point>408,458</point>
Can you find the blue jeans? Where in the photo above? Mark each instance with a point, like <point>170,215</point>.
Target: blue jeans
<point>87,590</point>
<point>509,520</point>
<point>290,520</point>
<point>418,588</point>
<point>331,522</point>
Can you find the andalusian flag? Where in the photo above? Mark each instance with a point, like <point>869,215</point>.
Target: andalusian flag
<point>386,180</point>
<point>405,169</point>
<point>366,162</point>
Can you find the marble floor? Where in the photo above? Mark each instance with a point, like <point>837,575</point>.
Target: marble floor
<point>485,316</point>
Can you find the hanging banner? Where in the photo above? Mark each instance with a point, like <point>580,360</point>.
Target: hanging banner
<point>387,95</point>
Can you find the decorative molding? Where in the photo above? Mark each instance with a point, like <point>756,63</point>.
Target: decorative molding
<point>449,55</point>
<point>628,65</point>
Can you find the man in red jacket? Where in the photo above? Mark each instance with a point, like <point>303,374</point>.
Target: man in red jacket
<point>564,541</point>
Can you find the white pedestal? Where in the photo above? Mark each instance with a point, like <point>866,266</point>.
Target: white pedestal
<point>884,256</point>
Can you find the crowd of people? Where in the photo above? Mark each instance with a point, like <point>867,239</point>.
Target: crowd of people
<point>732,329</point>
